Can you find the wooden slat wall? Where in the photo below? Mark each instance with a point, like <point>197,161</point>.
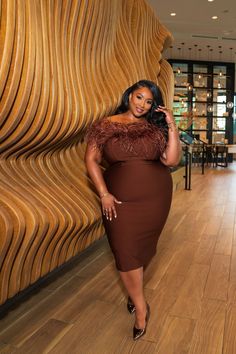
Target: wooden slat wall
<point>63,64</point>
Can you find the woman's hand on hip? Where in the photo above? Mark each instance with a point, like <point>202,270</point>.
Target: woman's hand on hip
<point>108,206</point>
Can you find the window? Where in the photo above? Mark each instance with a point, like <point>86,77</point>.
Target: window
<point>202,91</point>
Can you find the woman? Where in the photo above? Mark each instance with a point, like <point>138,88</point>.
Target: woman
<point>139,142</point>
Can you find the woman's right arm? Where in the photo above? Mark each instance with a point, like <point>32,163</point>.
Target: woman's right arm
<point>93,158</point>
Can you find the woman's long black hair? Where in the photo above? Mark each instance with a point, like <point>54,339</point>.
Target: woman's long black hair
<point>157,118</point>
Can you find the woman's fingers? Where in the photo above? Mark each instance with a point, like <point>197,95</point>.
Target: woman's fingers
<point>106,213</point>
<point>161,108</point>
<point>117,201</point>
<point>110,211</point>
<point>114,212</point>
<point>110,214</point>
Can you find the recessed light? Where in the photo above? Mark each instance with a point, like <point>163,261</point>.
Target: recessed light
<point>210,0</point>
<point>173,14</point>
<point>214,17</point>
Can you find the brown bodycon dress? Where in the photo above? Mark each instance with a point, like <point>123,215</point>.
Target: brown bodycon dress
<point>136,177</point>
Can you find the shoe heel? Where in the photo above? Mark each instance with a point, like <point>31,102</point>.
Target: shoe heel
<point>139,332</point>
<point>130,306</point>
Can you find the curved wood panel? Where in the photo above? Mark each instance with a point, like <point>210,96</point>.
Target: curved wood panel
<point>63,64</point>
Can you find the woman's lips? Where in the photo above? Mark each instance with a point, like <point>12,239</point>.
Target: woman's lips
<point>139,110</point>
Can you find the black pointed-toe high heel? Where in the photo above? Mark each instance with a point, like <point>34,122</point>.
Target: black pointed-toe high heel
<point>139,332</point>
<point>130,306</point>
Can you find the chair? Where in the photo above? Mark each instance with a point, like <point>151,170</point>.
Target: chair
<point>197,153</point>
<point>221,155</point>
<point>210,154</point>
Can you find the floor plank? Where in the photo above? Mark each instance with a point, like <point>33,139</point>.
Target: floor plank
<point>45,338</point>
<point>209,331</point>
<point>161,302</point>
<point>188,303</point>
<point>6,348</point>
<point>218,279</point>
<point>98,312</point>
<point>232,278</point>
<point>130,347</point>
<point>230,330</point>
<point>25,326</point>
<point>205,250</point>
<point>176,336</point>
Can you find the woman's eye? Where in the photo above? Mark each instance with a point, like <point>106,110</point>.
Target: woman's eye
<point>139,97</point>
<point>149,102</point>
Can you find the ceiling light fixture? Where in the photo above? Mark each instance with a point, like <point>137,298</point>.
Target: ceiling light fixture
<point>209,94</point>
<point>208,52</point>
<point>189,50</point>
<point>179,50</point>
<point>229,105</point>
<point>220,55</point>
<point>173,14</point>
<point>214,17</point>
<point>209,109</point>
<point>211,52</point>
<point>183,49</point>
<point>210,0</point>
<point>199,53</point>
<point>189,86</point>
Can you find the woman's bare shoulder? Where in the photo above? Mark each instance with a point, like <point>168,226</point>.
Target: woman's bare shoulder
<point>117,118</point>
<point>111,118</point>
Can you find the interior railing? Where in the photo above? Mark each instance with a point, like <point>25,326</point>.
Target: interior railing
<point>202,153</point>
<point>197,148</point>
<point>186,159</point>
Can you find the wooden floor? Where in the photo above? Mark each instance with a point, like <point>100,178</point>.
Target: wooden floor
<point>190,285</point>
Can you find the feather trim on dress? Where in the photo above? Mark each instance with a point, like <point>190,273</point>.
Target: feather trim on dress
<point>128,134</point>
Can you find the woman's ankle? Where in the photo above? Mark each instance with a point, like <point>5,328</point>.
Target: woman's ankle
<point>141,308</point>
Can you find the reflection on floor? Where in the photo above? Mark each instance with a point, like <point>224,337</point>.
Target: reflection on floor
<point>190,285</point>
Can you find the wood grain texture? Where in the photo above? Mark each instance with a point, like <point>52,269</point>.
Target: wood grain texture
<point>209,330</point>
<point>230,327</point>
<point>218,279</point>
<point>63,64</point>
<point>176,336</point>
<point>44,339</point>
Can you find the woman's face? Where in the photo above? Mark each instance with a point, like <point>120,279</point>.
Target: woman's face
<point>140,101</point>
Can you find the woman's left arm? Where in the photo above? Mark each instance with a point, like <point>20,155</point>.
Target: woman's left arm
<point>172,154</point>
